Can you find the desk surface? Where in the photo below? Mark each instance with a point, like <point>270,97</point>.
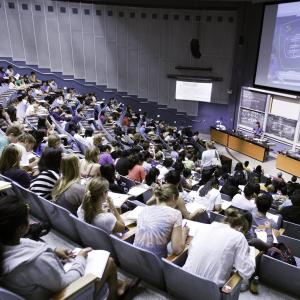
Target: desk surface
<point>288,164</point>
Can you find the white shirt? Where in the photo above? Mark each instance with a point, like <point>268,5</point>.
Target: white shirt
<point>214,258</point>
<point>211,199</point>
<point>162,171</point>
<point>241,202</point>
<point>207,157</point>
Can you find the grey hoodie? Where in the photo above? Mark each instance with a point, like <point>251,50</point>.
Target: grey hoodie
<point>32,270</point>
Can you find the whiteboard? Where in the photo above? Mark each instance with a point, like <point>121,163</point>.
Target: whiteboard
<point>193,91</point>
<point>285,108</point>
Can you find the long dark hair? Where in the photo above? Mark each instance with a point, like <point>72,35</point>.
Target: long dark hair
<point>50,160</point>
<point>13,215</point>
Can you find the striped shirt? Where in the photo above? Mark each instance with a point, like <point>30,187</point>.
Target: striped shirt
<point>44,183</point>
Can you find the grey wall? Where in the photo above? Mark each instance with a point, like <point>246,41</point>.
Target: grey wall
<point>129,49</point>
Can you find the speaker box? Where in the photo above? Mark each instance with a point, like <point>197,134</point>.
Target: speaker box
<point>195,48</point>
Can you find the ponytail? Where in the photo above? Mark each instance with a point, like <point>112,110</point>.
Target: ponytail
<point>235,219</point>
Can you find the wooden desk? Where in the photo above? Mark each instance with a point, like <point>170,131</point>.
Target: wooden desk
<point>219,136</point>
<point>288,164</point>
<point>247,147</point>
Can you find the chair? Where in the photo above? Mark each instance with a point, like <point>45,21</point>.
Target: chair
<point>60,219</point>
<point>32,200</point>
<point>291,243</point>
<point>139,262</point>
<point>82,288</point>
<point>214,217</point>
<point>182,284</point>
<point>280,275</point>
<point>291,229</point>
<point>92,236</point>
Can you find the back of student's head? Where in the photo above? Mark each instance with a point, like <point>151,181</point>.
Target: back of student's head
<point>95,191</point>
<point>264,202</point>
<point>92,155</point>
<point>10,158</point>
<point>166,193</point>
<point>13,222</point>
<point>246,163</point>
<point>212,183</point>
<point>232,181</point>
<point>249,190</point>
<point>151,176</point>
<point>26,138</point>
<point>50,160</point>
<point>236,220</point>
<point>239,167</point>
<point>210,145</point>
<point>258,169</point>
<point>295,198</point>
<point>187,173</point>
<point>13,130</point>
<point>256,188</point>
<point>168,162</point>
<point>178,166</point>
<point>70,172</point>
<point>294,178</point>
<point>53,141</point>
<point>172,177</point>
<point>88,132</point>
<point>108,172</point>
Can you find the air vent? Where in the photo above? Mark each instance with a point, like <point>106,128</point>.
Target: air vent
<point>121,14</point>
<point>208,18</point>
<point>231,19</point>
<point>75,11</point>
<point>143,15</point>
<point>186,18</point>
<point>86,12</point>
<point>166,17</point>
<point>11,5</point>
<point>132,14</point>
<point>198,18</point>
<point>176,17</point>
<point>24,6</point>
<point>110,13</point>
<point>63,10</point>
<point>220,19</point>
<point>98,12</point>
<point>38,7</point>
<point>154,16</point>
<point>50,9</point>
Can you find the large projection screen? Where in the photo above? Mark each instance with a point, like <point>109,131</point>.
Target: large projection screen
<point>193,91</point>
<point>278,64</point>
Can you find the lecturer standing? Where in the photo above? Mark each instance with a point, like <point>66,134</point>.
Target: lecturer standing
<point>257,130</point>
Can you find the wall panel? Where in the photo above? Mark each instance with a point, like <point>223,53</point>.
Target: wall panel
<point>5,46</point>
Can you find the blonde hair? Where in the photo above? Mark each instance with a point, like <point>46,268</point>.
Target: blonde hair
<point>91,155</point>
<point>70,174</point>
<point>97,139</point>
<point>92,198</point>
<point>10,158</point>
<point>53,140</point>
<point>210,145</point>
<point>166,193</point>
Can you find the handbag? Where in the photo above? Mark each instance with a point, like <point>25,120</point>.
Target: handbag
<point>216,161</point>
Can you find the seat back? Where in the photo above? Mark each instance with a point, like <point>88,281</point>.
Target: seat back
<point>280,275</point>
<point>32,200</point>
<point>291,243</point>
<point>291,229</point>
<point>60,219</point>
<point>214,217</point>
<point>226,197</point>
<point>7,295</point>
<point>183,284</point>
<point>139,262</point>
<point>92,236</point>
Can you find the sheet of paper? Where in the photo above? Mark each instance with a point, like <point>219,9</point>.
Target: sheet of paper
<point>118,199</point>
<point>194,226</point>
<point>193,206</point>
<point>261,234</point>
<point>272,217</point>
<point>137,190</point>
<point>225,204</point>
<point>95,263</point>
<point>133,215</point>
<point>4,185</point>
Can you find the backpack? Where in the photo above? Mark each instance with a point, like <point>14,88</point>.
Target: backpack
<point>281,252</point>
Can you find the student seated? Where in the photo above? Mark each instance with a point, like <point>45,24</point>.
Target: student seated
<point>159,224</point>
<point>242,201</point>
<point>292,213</point>
<point>10,166</point>
<point>240,174</point>
<point>11,136</point>
<point>214,252</point>
<point>33,269</point>
<point>230,187</point>
<point>211,195</point>
<point>49,167</point>
<point>263,204</point>
<point>89,166</point>
<point>98,209</point>
<point>115,185</point>
<point>68,192</point>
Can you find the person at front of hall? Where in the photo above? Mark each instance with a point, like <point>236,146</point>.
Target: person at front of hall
<point>257,130</point>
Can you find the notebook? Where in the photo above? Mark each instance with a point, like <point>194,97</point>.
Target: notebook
<point>95,263</point>
<point>193,206</point>
<point>225,204</point>
<point>4,185</point>
<point>137,190</point>
<point>272,217</point>
<point>133,215</point>
<point>194,226</point>
<point>118,199</point>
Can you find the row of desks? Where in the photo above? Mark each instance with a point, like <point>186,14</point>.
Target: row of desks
<point>239,144</point>
<point>284,163</point>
